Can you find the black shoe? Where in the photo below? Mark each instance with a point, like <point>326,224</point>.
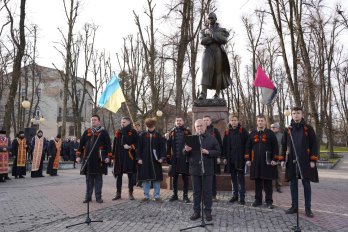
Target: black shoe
<point>16,177</point>
<point>87,200</point>
<point>269,206</point>
<point>256,203</point>
<point>214,199</point>
<point>41,176</point>
<point>195,216</point>
<point>279,190</point>
<point>292,210</point>
<point>233,199</point>
<point>99,201</point>
<point>173,198</point>
<point>309,213</point>
<point>7,178</point>
<point>185,199</point>
<point>242,202</point>
<point>21,177</point>
<point>208,216</point>
<point>2,180</point>
<point>118,196</point>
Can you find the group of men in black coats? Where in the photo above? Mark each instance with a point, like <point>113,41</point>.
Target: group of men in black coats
<point>142,154</point>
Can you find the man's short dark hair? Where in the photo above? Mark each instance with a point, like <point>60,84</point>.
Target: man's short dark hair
<point>126,118</point>
<point>96,116</point>
<point>233,116</point>
<point>261,116</point>
<point>179,116</point>
<point>207,116</point>
<point>296,108</point>
<point>59,136</point>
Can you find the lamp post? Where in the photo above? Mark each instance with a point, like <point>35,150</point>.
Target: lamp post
<point>287,114</point>
<point>36,120</point>
<point>159,115</point>
<point>25,105</point>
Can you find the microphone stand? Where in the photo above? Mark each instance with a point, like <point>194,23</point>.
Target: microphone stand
<point>298,174</point>
<point>203,224</point>
<point>88,219</point>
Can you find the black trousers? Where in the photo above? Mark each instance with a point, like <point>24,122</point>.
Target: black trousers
<point>94,181</point>
<point>119,182</point>
<point>206,192</point>
<point>214,190</point>
<point>266,185</point>
<point>185,179</point>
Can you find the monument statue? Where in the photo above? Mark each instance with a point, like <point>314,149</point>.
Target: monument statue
<point>215,65</point>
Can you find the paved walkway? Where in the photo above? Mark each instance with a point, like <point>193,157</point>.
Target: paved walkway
<point>52,203</point>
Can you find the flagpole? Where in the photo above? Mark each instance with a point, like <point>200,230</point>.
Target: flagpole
<point>130,115</point>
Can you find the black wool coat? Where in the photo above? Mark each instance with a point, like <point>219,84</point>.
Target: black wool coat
<point>216,134</point>
<point>257,145</point>
<point>234,146</point>
<point>306,147</point>
<point>175,156</point>
<point>125,159</point>
<point>211,144</point>
<point>101,150</point>
<point>151,147</point>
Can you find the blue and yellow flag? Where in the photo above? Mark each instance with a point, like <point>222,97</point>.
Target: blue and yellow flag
<point>112,97</point>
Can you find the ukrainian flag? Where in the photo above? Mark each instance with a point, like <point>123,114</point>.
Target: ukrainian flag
<point>112,97</point>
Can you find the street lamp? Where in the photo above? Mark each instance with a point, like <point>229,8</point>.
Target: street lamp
<point>287,113</point>
<point>26,104</point>
<point>159,113</point>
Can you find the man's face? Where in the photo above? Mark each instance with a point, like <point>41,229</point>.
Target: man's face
<point>261,123</point>
<point>275,129</point>
<point>207,121</point>
<point>124,123</point>
<point>151,128</point>
<point>297,115</point>
<point>137,127</point>
<point>200,127</point>
<point>95,122</point>
<point>179,122</point>
<point>211,20</point>
<point>234,121</point>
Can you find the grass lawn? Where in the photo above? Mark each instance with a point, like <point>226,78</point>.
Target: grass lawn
<point>336,149</point>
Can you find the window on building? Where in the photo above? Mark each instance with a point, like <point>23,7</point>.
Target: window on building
<point>71,131</point>
<point>60,111</point>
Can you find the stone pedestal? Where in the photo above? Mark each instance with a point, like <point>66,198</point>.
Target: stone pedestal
<point>218,114</point>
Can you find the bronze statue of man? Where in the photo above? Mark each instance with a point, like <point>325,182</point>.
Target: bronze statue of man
<point>215,65</point>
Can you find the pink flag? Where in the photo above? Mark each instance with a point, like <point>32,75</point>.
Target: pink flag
<point>268,90</point>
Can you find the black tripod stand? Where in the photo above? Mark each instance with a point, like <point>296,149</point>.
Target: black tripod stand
<point>203,224</point>
<point>86,164</point>
<point>298,174</point>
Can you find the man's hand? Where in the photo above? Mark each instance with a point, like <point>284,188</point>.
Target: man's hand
<point>248,163</point>
<point>205,152</point>
<point>218,161</point>
<point>140,162</point>
<point>282,164</point>
<point>126,146</point>
<point>312,164</point>
<point>273,163</point>
<point>166,136</point>
<point>224,161</point>
<point>78,160</point>
<point>208,32</point>
<point>160,161</point>
<point>187,148</point>
<point>107,160</point>
<point>4,149</point>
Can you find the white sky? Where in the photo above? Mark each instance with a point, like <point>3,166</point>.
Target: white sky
<point>115,19</point>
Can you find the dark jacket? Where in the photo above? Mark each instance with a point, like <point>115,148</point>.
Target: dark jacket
<point>211,144</point>
<point>100,152</point>
<point>306,147</point>
<point>175,146</point>
<point>257,145</point>
<point>124,159</point>
<point>234,146</point>
<point>151,147</point>
<point>73,146</point>
<point>216,134</point>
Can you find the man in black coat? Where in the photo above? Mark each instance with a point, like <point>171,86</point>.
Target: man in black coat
<point>216,134</point>
<point>95,143</point>
<point>305,144</point>
<point>210,149</point>
<point>123,152</point>
<point>54,151</point>
<point>73,146</point>
<point>150,155</point>
<point>19,151</point>
<point>176,157</point>
<point>234,150</point>
<point>262,154</point>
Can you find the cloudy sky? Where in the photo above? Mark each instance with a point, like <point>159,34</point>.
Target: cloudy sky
<point>115,19</point>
